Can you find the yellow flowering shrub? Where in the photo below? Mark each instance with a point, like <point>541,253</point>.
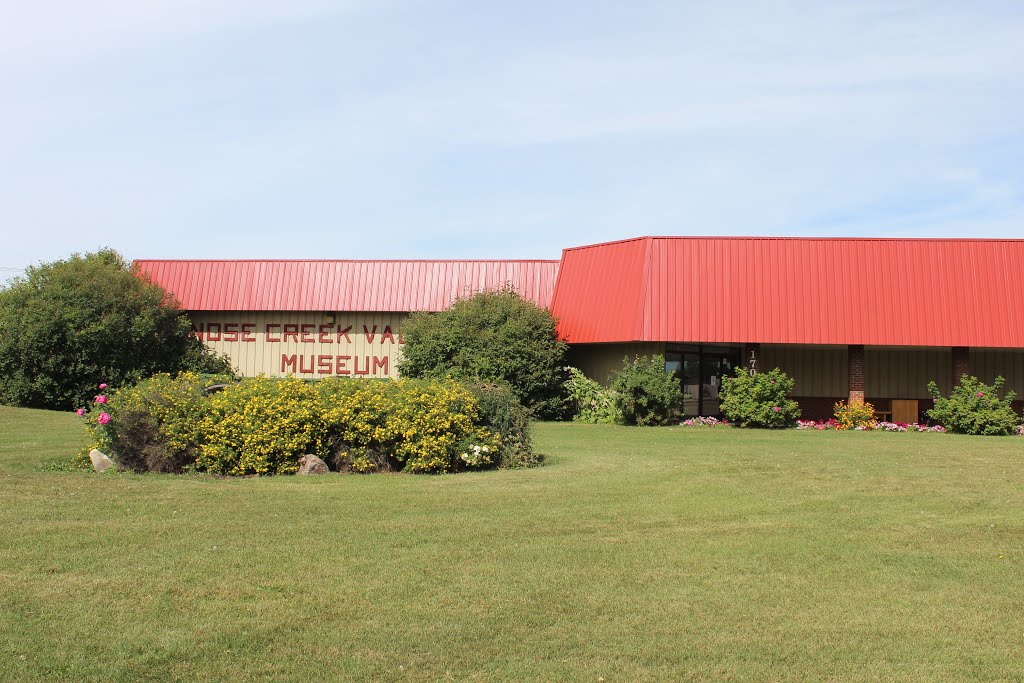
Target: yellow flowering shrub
<point>262,426</point>
<point>416,426</point>
<point>854,415</point>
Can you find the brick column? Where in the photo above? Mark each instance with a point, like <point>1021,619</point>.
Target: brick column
<point>855,372</point>
<point>752,352</point>
<point>961,363</point>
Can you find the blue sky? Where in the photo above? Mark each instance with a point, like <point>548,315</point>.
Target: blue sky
<point>349,129</point>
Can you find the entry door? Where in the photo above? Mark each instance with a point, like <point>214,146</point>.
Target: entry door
<point>715,367</point>
<point>711,384</point>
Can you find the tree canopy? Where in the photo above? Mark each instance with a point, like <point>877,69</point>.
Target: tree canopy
<point>69,325</point>
<point>491,336</point>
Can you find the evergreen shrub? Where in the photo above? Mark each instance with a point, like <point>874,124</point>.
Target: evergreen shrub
<point>67,326</point>
<point>490,337</point>
<point>645,394</point>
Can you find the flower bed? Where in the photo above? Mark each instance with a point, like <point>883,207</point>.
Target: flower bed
<point>704,422</point>
<point>873,426</point>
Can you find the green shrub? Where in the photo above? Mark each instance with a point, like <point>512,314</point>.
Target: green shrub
<point>503,414</point>
<point>645,394</point>
<point>154,425</point>
<point>68,326</point>
<point>759,400</point>
<point>974,407</point>
<point>594,404</point>
<point>855,415</point>
<point>490,337</point>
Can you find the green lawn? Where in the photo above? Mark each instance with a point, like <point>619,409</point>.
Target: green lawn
<point>635,554</point>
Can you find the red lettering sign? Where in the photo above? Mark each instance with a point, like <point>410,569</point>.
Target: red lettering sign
<point>325,334</point>
<point>291,330</point>
<point>288,361</point>
<point>341,368</point>
<point>344,333</point>
<point>387,335</point>
<point>324,363</point>
<point>266,332</point>
<point>231,332</point>
<point>209,332</point>
<point>247,329</point>
<point>381,364</point>
<point>306,339</point>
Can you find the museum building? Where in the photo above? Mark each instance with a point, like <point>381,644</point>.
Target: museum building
<point>847,318</point>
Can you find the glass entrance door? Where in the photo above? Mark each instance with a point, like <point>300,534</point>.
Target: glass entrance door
<point>700,370</point>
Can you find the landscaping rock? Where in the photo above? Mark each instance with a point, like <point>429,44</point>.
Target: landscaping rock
<point>310,464</point>
<point>100,461</point>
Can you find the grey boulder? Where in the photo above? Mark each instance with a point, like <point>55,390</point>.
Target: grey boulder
<point>310,464</point>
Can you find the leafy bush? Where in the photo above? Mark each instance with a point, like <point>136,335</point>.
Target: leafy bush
<point>503,414</point>
<point>155,425</point>
<point>645,394</point>
<point>262,426</point>
<point>974,407</point>
<point>594,404</point>
<point>69,325</point>
<point>759,400</point>
<point>490,337</point>
<point>854,415</point>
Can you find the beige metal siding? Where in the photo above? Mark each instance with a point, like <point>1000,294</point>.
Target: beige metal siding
<point>600,361</point>
<point>904,371</point>
<point>306,345</point>
<point>986,364</point>
<point>819,371</point>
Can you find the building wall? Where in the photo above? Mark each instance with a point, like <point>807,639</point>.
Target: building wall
<point>904,371</point>
<point>600,361</point>
<point>986,364</point>
<point>305,344</point>
<point>819,371</point>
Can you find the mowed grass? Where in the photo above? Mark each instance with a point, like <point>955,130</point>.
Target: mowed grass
<point>634,554</point>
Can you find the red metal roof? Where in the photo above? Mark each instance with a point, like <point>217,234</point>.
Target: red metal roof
<point>900,292</point>
<point>399,286</point>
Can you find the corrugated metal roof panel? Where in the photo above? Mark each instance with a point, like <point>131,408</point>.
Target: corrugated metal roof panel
<point>344,285</point>
<point>900,292</point>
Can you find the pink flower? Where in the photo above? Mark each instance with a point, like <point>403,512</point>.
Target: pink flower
<point>776,409</point>
<point>80,411</point>
<point>980,394</point>
<point>103,386</point>
<point>104,418</point>
<point>101,399</point>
